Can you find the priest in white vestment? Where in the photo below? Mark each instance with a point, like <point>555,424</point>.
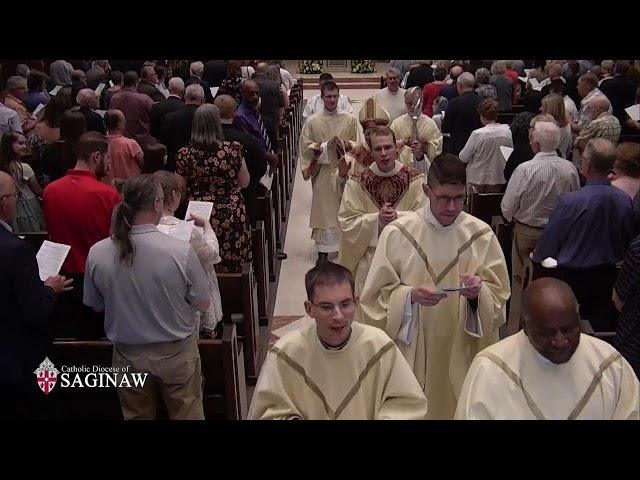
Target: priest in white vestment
<point>391,98</point>
<point>373,198</point>
<point>549,370</point>
<point>420,140</point>
<point>325,138</point>
<point>438,286</point>
<point>334,368</point>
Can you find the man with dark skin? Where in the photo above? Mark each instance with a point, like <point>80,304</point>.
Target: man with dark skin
<point>550,370</point>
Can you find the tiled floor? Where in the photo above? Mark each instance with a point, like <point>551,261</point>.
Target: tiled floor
<point>299,247</point>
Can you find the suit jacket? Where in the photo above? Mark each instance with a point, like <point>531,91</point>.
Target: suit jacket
<point>256,164</point>
<point>148,88</point>
<point>94,121</point>
<point>270,95</point>
<point>461,118</point>
<point>450,91</point>
<point>419,76</point>
<point>176,132</point>
<point>160,110</point>
<point>25,304</point>
<point>621,92</point>
<point>205,86</point>
<point>214,72</point>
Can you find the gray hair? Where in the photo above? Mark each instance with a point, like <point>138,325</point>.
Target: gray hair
<point>498,67</point>
<point>86,97</point>
<point>206,130</point>
<point>16,82</point>
<point>547,135</point>
<point>482,76</point>
<point>607,66</point>
<point>394,71</point>
<point>196,68</point>
<point>176,86</point>
<point>194,93</point>
<point>465,79</point>
<point>22,70</point>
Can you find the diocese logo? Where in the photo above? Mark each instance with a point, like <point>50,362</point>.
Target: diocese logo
<point>46,375</point>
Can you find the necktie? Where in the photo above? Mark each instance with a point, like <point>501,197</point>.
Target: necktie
<point>265,136</point>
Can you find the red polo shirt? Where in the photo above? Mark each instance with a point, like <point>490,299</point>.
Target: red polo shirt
<point>77,210</point>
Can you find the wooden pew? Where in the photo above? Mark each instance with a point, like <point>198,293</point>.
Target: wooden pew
<point>266,214</point>
<point>505,117</point>
<point>261,269</point>
<point>224,395</point>
<point>239,293</point>
<point>485,206</point>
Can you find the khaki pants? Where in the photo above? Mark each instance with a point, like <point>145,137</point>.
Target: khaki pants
<point>525,239</point>
<point>174,377</point>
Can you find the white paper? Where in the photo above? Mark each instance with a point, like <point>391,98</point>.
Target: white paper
<point>214,91</point>
<point>37,110</point>
<point>267,179</point>
<point>101,112</point>
<point>55,90</point>
<point>50,258</point>
<point>323,159</point>
<point>523,79</point>
<point>181,231</point>
<point>110,83</point>
<point>199,209</point>
<point>535,84</point>
<point>550,263</point>
<point>634,112</point>
<point>506,152</point>
<point>99,89</point>
<point>527,71</point>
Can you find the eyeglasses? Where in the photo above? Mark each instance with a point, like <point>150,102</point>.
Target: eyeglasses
<point>327,308</point>
<point>15,195</point>
<point>444,199</point>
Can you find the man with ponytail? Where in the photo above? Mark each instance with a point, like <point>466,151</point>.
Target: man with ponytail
<point>150,286</point>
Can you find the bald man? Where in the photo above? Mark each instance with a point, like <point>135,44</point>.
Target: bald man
<point>167,105</point>
<point>550,370</point>
<point>148,84</point>
<point>451,91</point>
<point>26,303</point>
<point>602,124</point>
<point>89,103</point>
<point>270,95</point>
<point>255,155</point>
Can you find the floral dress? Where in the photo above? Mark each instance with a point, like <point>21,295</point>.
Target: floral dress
<point>231,86</point>
<point>212,176</point>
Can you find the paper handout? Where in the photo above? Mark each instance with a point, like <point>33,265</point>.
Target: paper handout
<point>634,112</point>
<point>182,230</point>
<point>55,90</point>
<point>99,89</point>
<point>214,91</point>
<point>199,209</point>
<point>37,110</point>
<point>50,258</point>
<point>506,152</point>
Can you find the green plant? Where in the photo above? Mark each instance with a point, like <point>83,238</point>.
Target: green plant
<point>363,66</point>
<point>311,66</point>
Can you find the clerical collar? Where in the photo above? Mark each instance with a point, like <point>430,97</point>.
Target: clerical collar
<point>374,168</point>
<point>433,221</point>
<point>337,347</point>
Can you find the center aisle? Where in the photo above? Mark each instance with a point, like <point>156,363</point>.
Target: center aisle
<point>300,248</point>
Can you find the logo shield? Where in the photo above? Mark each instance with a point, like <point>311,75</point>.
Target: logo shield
<point>46,376</point>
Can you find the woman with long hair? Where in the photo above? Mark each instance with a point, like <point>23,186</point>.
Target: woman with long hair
<point>554,106</point>
<point>13,151</point>
<point>214,170</point>
<point>205,243</point>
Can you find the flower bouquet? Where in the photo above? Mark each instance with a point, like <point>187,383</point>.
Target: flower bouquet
<point>363,66</point>
<point>310,66</point>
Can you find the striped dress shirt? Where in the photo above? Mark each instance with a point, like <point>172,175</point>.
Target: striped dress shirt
<point>535,188</point>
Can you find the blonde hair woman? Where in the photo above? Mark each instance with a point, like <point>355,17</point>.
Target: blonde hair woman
<point>554,106</point>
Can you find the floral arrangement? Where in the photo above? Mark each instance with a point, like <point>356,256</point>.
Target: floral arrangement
<point>363,66</point>
<point>310,66</point>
